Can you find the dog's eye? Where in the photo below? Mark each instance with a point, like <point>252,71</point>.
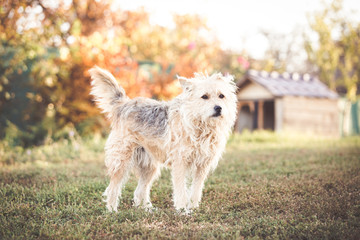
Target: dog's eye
<point>205,96</point>
<point>221,96</point>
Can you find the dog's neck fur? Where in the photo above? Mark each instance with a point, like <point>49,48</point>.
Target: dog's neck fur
<point>201,136</point>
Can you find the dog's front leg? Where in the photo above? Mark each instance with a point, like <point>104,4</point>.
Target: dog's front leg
<point>199,176</point>
<point>179,185</point>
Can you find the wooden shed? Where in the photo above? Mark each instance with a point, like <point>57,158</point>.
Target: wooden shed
<point>286,102</point>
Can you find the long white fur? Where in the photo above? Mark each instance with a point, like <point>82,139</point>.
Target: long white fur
<point>182,134</point>
<point>105,89</point>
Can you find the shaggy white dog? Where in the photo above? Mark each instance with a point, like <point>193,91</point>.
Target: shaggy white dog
<point>188,134</point>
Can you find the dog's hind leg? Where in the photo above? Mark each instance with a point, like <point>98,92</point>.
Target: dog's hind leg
<point>148,171</point>
<point>113,191</point>
<point>119,163</point>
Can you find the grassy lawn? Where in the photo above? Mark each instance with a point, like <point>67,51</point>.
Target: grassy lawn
<point>266,186</point>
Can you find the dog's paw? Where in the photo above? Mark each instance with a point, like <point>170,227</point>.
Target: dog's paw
<point>111,208</point>
<point>147,207</point>
<point>151,209</point>
<point>192,205</point>
<point>184,211</point>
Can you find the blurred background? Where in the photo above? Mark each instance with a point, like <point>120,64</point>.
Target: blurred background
<point>306,52</point>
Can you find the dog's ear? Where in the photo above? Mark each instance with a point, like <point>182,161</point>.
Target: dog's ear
<point>185,83</point>
<point>227,78</point>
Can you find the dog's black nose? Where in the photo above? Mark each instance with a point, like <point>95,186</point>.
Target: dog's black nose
<point>217,109</point>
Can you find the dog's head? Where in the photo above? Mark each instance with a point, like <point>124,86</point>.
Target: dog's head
<point>209,98</point>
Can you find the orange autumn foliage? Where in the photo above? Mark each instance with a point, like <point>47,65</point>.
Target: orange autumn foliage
<point>68,39</point>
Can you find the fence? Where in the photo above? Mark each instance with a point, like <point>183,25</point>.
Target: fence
<point>349,117</point>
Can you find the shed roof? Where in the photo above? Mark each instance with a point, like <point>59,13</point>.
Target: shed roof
<point>287,84</point>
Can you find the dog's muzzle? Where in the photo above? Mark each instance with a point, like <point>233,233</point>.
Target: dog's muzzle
<point>217,111</point>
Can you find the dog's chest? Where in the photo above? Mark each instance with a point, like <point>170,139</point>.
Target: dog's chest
<point>201,149</point>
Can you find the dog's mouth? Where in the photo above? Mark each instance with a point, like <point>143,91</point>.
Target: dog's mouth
<point>217,114</point>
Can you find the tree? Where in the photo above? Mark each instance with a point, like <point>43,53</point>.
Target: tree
<point>336,53</point>
<point>47,49</point>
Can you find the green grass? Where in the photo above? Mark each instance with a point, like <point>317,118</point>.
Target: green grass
<point>266,187</point>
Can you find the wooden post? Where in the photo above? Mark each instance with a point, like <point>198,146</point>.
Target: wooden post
<point>278,114</point>
<point>236,126</point>
<point>261,115</point>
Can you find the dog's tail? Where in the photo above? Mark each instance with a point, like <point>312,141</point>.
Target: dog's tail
<point>107,92</point>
